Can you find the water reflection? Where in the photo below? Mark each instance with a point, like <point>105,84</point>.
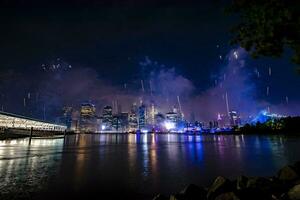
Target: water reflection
<point>146,163</point>
<point>24,167</point>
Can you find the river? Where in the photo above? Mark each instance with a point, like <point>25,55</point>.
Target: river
<point>131,166</point>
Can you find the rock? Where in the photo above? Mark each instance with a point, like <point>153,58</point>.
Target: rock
<point>220,185</point>
<point>193,192</point>
<point>177,197</point>
<point>294,193</point>
<point>241,182</point>
<point>287,173</point>
<point>253,194</point>
<point>160,197</point>
<point>260,183</point>
<point>278,187</point>
<point>173,197</point>
<point>227,196</point>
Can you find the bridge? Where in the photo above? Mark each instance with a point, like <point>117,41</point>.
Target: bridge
<point>13,121</point>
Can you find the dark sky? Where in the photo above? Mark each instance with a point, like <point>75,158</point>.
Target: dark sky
<point>113,36</point>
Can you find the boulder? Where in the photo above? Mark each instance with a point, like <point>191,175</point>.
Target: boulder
<point>177,197</point>
<point>160,197</point>
<point>278,188</point>
<point>192,192</point>
<point>220,185</point>
<point>287,173</point>
<point>260,183</point>
<point>253,194</point>
<point>227,196</point>
<point>294,193</point>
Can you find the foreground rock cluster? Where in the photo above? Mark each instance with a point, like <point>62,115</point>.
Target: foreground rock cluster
<point>284,186</point>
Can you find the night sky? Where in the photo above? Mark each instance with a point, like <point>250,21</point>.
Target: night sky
<point>124,41</point>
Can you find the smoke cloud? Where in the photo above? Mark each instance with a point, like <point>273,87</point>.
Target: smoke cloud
<point>57,85</point>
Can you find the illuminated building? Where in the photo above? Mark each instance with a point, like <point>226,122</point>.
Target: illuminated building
<point>172,117</point>
<point>116,123</point>
<point>124,121</point>
<point>234,118</point>
<point>107,118</point>
<point>159,119</point>
<point>88,121</point>
<point>152,113</point>
<point>87,110</point>
<point>120,122</point>
<point>132,119</point>
<point>142,116</point>
<point>172,120</point>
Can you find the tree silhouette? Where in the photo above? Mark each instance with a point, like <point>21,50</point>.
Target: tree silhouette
<point>267,27</point>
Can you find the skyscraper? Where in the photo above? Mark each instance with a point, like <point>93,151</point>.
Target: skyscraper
<point>124,121</point>
<point>88,121</point>
<point>142,116</point>
<point>107,120</point>
<point>116,123</point>
<point>88,110</point>
<point>152,113</point>
<point>133,119</point>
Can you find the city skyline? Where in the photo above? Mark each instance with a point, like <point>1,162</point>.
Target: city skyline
<point>149,99</point>
<point>148,58</point>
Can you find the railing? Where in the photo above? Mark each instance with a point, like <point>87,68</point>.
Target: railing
<point>12,121</point>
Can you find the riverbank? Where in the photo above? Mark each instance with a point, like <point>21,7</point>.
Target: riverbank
<point>285,185</point>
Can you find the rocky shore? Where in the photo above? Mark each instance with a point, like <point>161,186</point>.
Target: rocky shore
<point>285,185</point>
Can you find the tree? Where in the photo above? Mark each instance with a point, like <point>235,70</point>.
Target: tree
<point>267,27</point>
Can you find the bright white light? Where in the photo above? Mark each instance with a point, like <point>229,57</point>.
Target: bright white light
<point>103,127</point>
<point>169,125</point>
<point>235,55</point>
<point>144,131</point>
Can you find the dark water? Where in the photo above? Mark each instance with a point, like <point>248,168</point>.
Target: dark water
<point>135,166</point>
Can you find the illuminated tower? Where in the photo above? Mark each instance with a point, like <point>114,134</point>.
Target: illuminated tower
<point>107,118</point>
<point>132,118</point>
<point>88,121</point>
<point>152,113</point>
<point>87,110</point>
<point>142,116</point>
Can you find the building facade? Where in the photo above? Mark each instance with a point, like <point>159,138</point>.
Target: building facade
<point>88,120</point>
<point>107,118</point>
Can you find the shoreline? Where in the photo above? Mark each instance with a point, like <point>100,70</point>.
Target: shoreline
<point>285,185</point>
<point>48,135</point>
